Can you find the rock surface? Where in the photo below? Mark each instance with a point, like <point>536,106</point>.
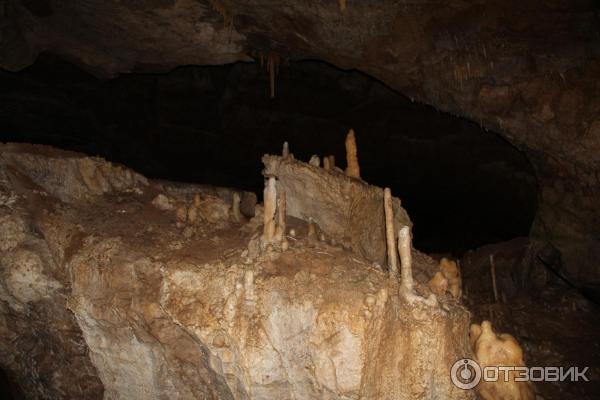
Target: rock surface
<point>102,295</point>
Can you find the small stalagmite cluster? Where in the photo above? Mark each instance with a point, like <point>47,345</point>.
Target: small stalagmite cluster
<point>447,279</point>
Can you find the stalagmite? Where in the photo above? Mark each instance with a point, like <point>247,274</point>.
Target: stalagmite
<point>192,214</point>
<point>452,273</point>
<point>438,284</point>
<point>280,229</point>
<point>197,200</point>
<point>352,167</point>
<point>270,204</point>
<point>235,207</point>
<point>331,161</point>
<point>492,350</point>
<point>315,161</point>
<point>285,152</point>
<point>407,283</point>
<point>404,248</point>
<point>389,232</point>
<point>181,216</point>
<point>326,164</point>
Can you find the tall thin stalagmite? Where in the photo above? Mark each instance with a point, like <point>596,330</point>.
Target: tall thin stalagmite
<point>280,230</point>
<point>281,226</point>
<point>285,152</point>
<point>270,201</point>
<point>352,168</point>
<point>389,232</point>
<point>404,248</point>
<point>331,161</point>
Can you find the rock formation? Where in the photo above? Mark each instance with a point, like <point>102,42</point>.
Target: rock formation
<point>103,297</point>
<point>499,350</point>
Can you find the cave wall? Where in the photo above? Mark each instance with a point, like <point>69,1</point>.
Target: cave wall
<point>525,69</point>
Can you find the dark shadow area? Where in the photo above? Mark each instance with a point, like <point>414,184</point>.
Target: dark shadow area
<point>8,389</point>
<point>462,186</point>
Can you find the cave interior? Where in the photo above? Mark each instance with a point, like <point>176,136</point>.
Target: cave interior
<point>129,131</point>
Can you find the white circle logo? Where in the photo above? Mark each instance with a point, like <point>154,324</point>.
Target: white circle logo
<point>465,373</point>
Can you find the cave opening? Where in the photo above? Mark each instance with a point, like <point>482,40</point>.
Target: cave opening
<point>463,186</point>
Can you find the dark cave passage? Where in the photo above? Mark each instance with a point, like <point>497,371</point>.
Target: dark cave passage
<point>462,186</point>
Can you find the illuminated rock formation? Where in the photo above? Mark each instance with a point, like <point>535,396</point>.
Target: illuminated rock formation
<point>492,349</point>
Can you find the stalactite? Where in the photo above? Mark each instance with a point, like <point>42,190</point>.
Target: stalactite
<point>352,168</point>
<point>342,4</point>
<point>389,232</point>
<point>272,64</point>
